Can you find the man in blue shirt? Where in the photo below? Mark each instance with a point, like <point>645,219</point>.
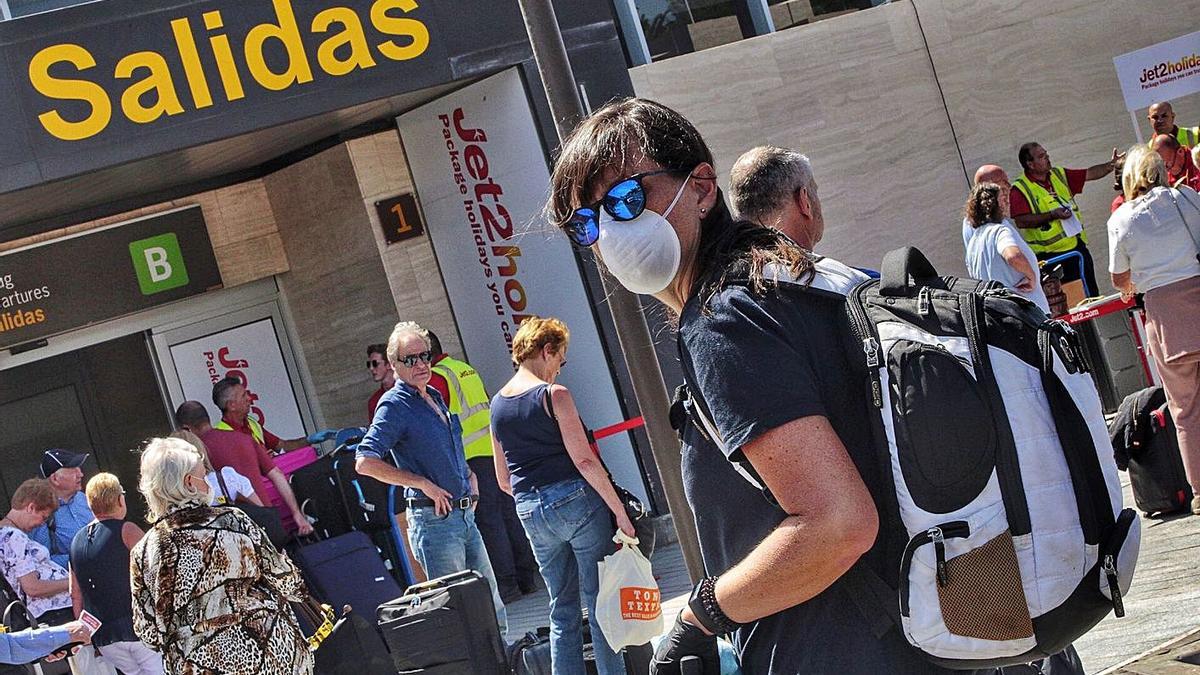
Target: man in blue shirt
<point>416,443</point>
<point>62,468</point>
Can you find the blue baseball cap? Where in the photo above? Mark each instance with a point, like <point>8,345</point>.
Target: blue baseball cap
<point>57,458</point>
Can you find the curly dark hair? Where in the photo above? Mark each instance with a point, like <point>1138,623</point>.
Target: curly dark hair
<point>983,206</point>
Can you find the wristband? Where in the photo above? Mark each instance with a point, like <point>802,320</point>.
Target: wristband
<point>708,612</point>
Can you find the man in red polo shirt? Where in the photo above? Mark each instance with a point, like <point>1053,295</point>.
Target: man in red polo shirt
<point>1178,160</point>
<point>239,441</point>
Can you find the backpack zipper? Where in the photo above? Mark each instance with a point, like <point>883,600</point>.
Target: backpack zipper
<point>924,301</point>
<point>1112,548</point>
<point>938,534</point>
<point>1114,586</point>
<point>861,326</point>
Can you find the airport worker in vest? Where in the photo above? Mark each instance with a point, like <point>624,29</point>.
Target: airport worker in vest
<point>463,391</point>
<point>1162,119</point>
<point>1042,206</point>
<point>238,440</point>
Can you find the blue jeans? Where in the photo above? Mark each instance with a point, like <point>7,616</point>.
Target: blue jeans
<point>452,544</point>
<point>570,530</point>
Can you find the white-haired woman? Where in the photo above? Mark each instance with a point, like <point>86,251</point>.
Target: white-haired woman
<point>1154,248</point>
<point>210,592</point>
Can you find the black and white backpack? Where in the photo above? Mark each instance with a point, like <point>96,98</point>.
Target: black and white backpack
<point>1001,465</point>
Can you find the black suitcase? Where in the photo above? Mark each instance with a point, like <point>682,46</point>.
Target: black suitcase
<point>365,499</point>
<point>637,658</point>
<point>320,498</point>
<point>348,570</point>
<point>531,654</point>
<point>1145,444</point>
<point>445,626</point>
<point>353,648</point>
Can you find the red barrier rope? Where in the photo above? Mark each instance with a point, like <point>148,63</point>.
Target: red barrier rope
<point>605,432</point>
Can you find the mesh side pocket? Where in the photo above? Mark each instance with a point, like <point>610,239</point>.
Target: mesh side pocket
<point>983,597</point>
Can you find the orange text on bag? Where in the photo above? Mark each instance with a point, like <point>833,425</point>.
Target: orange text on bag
<point>640,604</point>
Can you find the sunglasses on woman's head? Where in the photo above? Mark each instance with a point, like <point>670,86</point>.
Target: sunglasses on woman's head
<point>411,360</point>
<point>624,200</point>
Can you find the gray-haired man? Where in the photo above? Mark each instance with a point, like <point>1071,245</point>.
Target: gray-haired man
<point>775,187</point>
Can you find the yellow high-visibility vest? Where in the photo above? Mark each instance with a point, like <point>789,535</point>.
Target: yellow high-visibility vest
<point>468,400</point>
<point>1041,200</point>
<point>256,429</point>
<point>1187,136</point>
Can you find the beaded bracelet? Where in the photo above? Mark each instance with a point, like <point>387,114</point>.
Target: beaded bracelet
<point>704,605</point>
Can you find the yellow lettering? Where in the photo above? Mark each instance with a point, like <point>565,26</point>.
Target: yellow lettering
<point>71,90</point>
<point>288,33</point>
<point>159,81</point>
<point>352,35</point>
<point>192,68</point>
<point>226,66</point>
<point>413,29</point>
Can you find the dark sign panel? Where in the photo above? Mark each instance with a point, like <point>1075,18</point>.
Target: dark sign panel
<point>75,281</point>
<point>400,218</point>
<point>131,78</point>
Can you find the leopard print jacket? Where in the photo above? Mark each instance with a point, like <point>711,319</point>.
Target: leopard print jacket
<point>211,594</point>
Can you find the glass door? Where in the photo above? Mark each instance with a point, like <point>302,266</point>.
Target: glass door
<point>249,344</point>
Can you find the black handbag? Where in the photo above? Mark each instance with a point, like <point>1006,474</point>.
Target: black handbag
<point>265,517</point>
<point>639,515</point>
<point>349,645</point>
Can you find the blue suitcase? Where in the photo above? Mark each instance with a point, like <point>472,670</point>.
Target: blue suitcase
<point>348,570</point>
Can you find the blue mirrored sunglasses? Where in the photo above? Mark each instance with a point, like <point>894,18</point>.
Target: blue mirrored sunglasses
<point>624,200</point>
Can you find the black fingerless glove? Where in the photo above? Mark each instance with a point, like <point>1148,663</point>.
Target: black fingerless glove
<point>686,640</point>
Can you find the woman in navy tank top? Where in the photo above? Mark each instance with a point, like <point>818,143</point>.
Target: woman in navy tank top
<point>564,497</point>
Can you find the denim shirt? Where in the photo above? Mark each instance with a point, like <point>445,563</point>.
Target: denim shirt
<point>409,433</point>
<point>69,518</point>
<point>31,645</point>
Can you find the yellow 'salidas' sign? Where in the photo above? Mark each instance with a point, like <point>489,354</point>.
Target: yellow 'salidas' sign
<point>152,90</point>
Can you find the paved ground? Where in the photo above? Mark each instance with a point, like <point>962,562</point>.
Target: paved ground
<point>1163,604</point>
<point>532,611</point>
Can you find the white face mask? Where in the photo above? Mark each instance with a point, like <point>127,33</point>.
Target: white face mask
<point>643,253</point>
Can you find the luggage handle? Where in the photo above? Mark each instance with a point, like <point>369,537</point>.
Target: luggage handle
<point>901,264</point>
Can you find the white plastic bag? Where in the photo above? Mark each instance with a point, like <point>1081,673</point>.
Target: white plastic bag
<point>628,607</point>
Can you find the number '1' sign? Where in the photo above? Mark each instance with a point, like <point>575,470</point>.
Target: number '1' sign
<point>400,218</point>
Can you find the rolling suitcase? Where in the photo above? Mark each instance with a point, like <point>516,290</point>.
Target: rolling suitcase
<point>445,626</point>
<point>1156,473</point>
<point>1145,444</point>
<point>347,570</point>
<point>365,499</point>
<point>353,648</point>
<point>320,498</point>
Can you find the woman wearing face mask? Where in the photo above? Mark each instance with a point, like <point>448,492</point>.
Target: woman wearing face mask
<point>769,363</point>
<point>565,499</point>
<point>210,592</point>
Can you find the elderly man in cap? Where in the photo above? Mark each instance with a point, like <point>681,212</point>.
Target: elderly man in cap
<point>62,468</point>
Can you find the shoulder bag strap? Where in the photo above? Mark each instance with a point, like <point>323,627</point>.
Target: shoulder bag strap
<point>1187,226</point>
<point>52,530</point>
<point>224,489</point>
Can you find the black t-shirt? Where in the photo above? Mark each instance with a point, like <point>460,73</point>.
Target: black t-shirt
<point>758,363</point>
